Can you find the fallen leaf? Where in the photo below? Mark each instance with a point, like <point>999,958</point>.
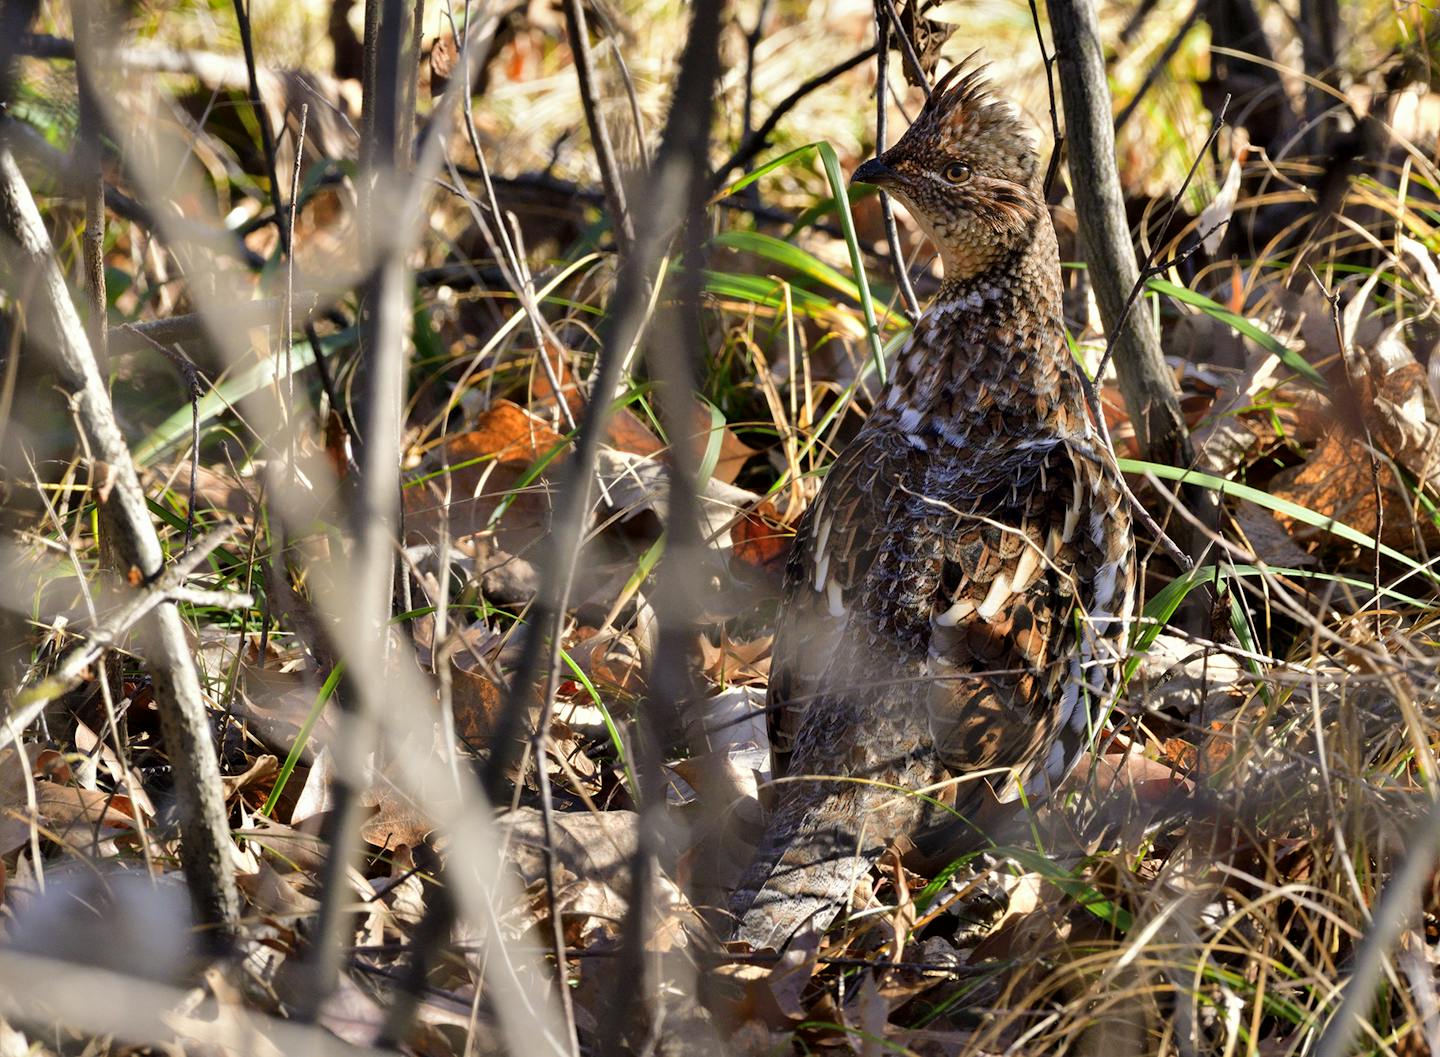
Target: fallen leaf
<point>288,847</point>
<point>733,663</point>
<point>260,768</point>
<point>474,701</point>
<point>761,542</point>
<point>1269,540</point>
<point>277,895</point>
<point>443,56</point>
<point>626,431</point>
<point>14,812</point>
<point>599,846</point>
<point>636,484</point>
<point>397,821</point>
<point>1215,217</point>
<point>488,464</point>
<point>1337,481</point>
<point>82,818</point>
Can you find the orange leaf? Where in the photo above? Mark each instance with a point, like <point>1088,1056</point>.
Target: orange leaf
<point>761,542</point>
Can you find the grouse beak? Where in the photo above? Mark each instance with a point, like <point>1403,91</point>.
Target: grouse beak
<point>876,172</point>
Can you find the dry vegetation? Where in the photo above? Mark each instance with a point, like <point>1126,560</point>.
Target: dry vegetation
<point>437,827</point>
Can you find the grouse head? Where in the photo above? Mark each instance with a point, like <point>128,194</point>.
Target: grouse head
<point>967,171</point>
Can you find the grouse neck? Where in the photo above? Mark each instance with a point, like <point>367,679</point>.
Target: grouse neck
<point>989,351</point>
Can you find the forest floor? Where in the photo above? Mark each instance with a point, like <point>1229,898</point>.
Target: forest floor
<point>1245,864</point>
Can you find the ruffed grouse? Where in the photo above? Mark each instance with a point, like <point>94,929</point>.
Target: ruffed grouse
<point>956,598</point>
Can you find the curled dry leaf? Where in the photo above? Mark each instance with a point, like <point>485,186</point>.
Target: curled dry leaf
<point>1338,481</point>
<point>626,431</point>
<point>285,847</point>
<point>81,819</point>
<point>593,853</point>
<point>14,812</point>
<point>1269,541</point>
<point>1125,788</point>
<point>487,465</point>
<point>275,705</point>
<point>397,822</point>
<point>1180,678</point>
<point>611,660</point>
<point>761,543</point>
<point>597,846</point>
<point>260,768</point>
<point>733,663</point>
<point>1215,217</point>
<point>1390,393</point>
<point>277,895</point>
<point>637,483</point>
<point>443,55</point>
<point>474,700</point>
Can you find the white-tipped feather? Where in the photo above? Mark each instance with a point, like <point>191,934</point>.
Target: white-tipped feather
<point>956,613</point>
<point>1025,568</point>
<point>998,594</point>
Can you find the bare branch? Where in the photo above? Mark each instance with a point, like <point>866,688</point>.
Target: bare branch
<point>205,830</point>
<point>1149,390</point>
<point>887,210</point>
<point>579,35</point>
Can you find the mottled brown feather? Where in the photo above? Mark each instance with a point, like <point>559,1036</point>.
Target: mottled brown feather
<point>958,592</point>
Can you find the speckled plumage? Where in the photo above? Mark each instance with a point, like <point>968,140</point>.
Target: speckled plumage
<point>959,590</point>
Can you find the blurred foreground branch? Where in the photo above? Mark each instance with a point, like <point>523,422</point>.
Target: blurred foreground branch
<point>579,34</point>
<point>37,282</point>
<point>679,183</point>
<point>32,699</point>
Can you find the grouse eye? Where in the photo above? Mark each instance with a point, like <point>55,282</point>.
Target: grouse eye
<point>957,172</point>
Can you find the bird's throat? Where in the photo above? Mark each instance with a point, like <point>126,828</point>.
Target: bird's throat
<point>988,359</point>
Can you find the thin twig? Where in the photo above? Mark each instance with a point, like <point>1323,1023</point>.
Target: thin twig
<point>756,142</point>
<point>613,36</point>
<point>622,328</point>
<point>1057,138</point>
<point>205,843</point>
<point>504,246</point>
<point>887,209</point>
<point>374,503</point>
<point>197,326</point>
<point>539,749</point>
<point>287,330</point>
<point>907,46</point>
<point>610,179</point>
<point>672,693</point>
<point>1149,388</point>
<point>327,381</point>
<point>94,176</point>
<point>257,108</point>
<point>194,389</point>
<point>31,699</point>
<point>1150,269</point>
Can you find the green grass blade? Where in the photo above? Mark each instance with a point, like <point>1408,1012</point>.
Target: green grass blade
<point>1282,506</point>
<point>1267,341</point>
<point>267,371</point>
<point>764,170</point>
<point>302,738</point>
<point>857,261</point>
<point>787,255</point>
